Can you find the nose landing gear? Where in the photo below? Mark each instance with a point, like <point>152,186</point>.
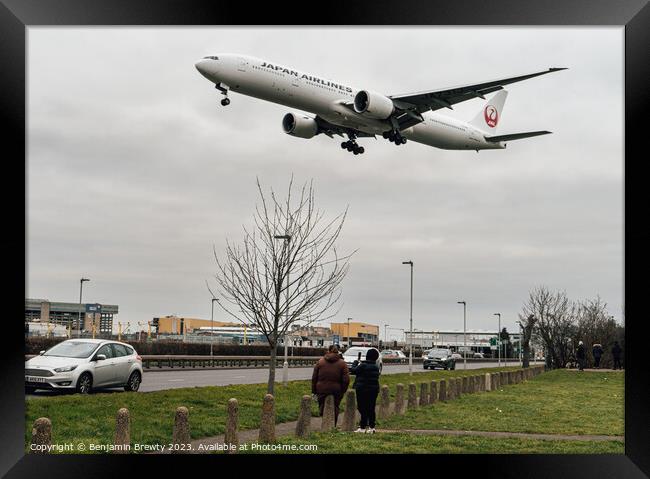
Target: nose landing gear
<point>224,91</point>
<point>394,136</point>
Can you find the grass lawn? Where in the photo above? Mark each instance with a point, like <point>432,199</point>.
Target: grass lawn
<point>556,402</point>
<point>91,419</point>
<point>403,443</point>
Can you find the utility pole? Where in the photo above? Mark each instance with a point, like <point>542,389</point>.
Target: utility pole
<point>81,286</point>
<point>499,337</point>
<point>464,333</point>
<point>349,340</point>
<point>410,263</point>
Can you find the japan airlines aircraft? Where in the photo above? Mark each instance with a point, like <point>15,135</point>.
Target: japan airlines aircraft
<point>340,109</point>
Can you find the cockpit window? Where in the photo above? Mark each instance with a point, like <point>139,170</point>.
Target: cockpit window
<point>211,58</point>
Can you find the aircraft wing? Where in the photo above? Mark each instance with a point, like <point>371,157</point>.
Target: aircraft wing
<point>330,129</point>
<point>445,98</point>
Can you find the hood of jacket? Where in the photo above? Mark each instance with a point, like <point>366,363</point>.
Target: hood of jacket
<point>332,357</point>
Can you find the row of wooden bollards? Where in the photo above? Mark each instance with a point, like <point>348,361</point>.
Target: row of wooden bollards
<point>430,393</point>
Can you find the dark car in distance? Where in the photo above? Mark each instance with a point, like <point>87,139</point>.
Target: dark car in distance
<point>439,358</point>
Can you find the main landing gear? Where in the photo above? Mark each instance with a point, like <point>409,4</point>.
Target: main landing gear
<point>353,147</point>
<point>394,136</point>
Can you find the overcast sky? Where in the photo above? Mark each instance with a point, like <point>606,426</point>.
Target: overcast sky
<point>134,170</point>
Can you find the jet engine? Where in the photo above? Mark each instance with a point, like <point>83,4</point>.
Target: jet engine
<point>373,105</point>
<point>299,125</point>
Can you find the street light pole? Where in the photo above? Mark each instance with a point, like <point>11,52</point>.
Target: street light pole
<point>285,364</point>
<point>81,287</point>
<point>349,340</point>
<point>212,325</point>
<point>464,333</point>
<point>521,358</point>
<point>499,336</point>
<point>385,336</point>
<point>410,263</point>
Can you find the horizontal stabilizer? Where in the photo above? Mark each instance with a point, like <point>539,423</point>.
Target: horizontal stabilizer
<point>515,136</point>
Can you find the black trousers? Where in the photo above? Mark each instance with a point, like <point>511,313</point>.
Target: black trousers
<point>337,403</point>
<point>617,363</point>
<point>366,402</point>
<point>597,361</point>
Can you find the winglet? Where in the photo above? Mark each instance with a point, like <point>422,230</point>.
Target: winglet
<point>557,69</point>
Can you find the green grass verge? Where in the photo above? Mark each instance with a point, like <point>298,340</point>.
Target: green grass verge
<point>91,419</point>
<point>556,402</point>
<point>404,443</point>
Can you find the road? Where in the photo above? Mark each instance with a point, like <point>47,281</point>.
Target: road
<point>172,379</point>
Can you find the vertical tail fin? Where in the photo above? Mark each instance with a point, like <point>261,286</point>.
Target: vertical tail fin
<point>490,115</point>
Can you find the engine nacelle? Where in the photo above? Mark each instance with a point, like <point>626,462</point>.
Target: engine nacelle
<point>299,125</point>
<point>373,105</point>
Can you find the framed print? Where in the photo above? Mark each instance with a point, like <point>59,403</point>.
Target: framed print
<point>326,243</point>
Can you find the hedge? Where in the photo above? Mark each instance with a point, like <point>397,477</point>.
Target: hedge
<point>35,344</point>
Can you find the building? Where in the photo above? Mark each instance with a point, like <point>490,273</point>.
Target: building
<point>68,314</point>
<point>181,325</point>
<point>477,340</point>
<point>310,336</point>
<point>360,334</point>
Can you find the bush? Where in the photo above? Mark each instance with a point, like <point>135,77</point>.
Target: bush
<point>35,344</point>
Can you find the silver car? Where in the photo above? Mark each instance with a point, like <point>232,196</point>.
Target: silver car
<point>84,364</point>
<point>352,354</point>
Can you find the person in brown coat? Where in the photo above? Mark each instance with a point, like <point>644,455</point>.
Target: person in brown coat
<point>331,376</point>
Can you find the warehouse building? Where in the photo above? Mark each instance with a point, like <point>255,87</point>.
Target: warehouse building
<point>360,334</point>
<point>68,314</point>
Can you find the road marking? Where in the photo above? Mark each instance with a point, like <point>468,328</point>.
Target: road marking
<point>238,377</point>
<point>172,380</point>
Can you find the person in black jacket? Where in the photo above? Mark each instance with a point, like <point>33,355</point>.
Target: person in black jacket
<point>616,353</point>
<point>581,356</point>
<point>366,384</point>
<point>597,351</point>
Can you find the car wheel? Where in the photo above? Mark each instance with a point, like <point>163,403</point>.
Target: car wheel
<point>85,383</point>
<point>29,390</point>
<point>133,384</point>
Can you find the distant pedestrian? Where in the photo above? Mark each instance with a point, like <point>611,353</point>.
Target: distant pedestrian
<point>581,356</point>
<point>366,385</point>
<point>330,377</point>
<point>616,353</point>
<point>597,351</point>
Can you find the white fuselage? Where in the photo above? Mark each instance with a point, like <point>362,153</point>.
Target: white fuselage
<point>279,84</point>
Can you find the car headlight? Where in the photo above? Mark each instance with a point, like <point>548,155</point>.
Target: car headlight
<point>65,369</point>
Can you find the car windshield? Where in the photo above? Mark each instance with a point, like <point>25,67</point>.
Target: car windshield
<point>72,349</point>
<point>356,351</point>
<point>439,352</point>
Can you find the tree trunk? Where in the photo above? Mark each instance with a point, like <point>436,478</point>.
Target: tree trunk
<point>526,356</point>
<point>271,383</point>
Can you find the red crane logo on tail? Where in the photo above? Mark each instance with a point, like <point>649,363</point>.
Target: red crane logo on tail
<point>491,116</point>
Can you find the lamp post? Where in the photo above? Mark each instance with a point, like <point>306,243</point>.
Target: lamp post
<point>285,364</point>
<point>81,287</point>
<point>464,333</point>
<point>349,340</point>
<point>521,357</point>
<point>410,263</point>
<point>212,324</point>
<point>499,336</point>
<point>385,336</point>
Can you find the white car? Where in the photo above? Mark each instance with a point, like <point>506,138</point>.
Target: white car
<point>352,354</point>
<point>84,364</point>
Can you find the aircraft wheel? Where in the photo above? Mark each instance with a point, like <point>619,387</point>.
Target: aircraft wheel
<point>225,102</point>
<point>362,150</point>
<point>403,141</point>
<point>355,151</point>
<point>344,145</point>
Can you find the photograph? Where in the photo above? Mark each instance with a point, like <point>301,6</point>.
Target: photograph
<point>325,240</point>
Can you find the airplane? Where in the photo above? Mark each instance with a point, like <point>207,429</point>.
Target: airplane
<point>340,109</point>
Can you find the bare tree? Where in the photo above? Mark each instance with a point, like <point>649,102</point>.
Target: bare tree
<point>596,325</point>
<point>553,316</point>
<point>272,284</point>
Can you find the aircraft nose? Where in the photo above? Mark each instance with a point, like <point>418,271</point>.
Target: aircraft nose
<point>201,66</point>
